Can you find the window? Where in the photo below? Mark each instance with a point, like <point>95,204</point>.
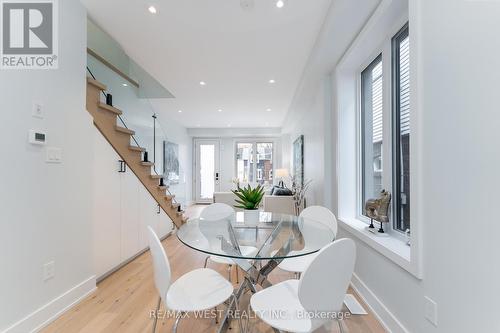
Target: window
<point>254,162</point>
<point>264,163</point>
<point>244,162</point>
<point>373,177</point>
<point>401,128</point>
<point>371,131</point>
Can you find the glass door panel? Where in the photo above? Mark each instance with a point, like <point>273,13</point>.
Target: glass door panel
<point>207,170</point>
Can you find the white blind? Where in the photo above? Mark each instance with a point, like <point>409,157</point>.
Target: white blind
<point>404,84</point>
<point>377,100</point>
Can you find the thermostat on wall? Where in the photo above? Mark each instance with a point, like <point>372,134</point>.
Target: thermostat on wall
<point>37,137</point>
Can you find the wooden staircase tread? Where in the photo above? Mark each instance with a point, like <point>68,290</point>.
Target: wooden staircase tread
<point>109,108</point>
<point>135,148</point>
<point>96,83</point>
<point>124,130</point>
<point>147,164</point>
<point>156,176</point>
<point>162,188</point>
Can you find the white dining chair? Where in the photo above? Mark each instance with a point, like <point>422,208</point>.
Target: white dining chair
<point>198,290</point>
<point>307,304</point>
<point>297,265</point>
<point>217,212</point>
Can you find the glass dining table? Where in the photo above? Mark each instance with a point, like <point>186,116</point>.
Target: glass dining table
<point>275,237</point>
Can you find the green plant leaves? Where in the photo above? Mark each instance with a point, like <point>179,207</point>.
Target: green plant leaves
<point>249,198</point>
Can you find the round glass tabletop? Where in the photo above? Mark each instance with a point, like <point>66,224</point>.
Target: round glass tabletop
<point>274,236</point>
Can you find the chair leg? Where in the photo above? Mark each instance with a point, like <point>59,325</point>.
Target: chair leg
<point>238,311</point>
<point>341,326</point>
<point>156,314</point>
<point>206,262</point>
<point>237,274</point>
<point>176,324</point>
<point>216,316</point>
<point>229,268</point>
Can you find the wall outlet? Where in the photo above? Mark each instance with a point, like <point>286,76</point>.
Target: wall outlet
<point>431,311</point>
<point>54,155</point>
<point>37,111</point>
<point>49,270</point>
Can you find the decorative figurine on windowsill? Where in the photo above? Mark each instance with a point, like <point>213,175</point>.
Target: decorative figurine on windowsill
<point>378,209</point>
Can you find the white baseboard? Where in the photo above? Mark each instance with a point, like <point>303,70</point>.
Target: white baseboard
<point>384,316</point>
<point>43,316</point>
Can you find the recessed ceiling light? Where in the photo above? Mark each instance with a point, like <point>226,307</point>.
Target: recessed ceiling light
<point>268,110</point>
<point>124,84</point>
<point>272,81</point>
<point>198,125</point>
<point>267,124</point>
<point>228,125</point>
<point>152,9</point>
<point>180,111</point>
<point>220,110</point>
<point>202,83</point>
<point>280,3</point>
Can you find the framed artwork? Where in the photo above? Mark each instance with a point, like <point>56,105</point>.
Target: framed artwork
<point>171,162</point>
<point>298,160</point>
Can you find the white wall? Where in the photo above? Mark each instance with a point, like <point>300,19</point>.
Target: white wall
<point>177,133</point>
<point>454,94</point>
<point>311,124</point>
<point>45,212</point>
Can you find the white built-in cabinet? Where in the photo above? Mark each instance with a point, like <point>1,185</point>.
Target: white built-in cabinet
<point>123,209</point>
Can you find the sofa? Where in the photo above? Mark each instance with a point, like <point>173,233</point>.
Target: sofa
<point>270,203</point>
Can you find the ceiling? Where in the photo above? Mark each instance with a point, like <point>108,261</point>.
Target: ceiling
<point>235,51</point>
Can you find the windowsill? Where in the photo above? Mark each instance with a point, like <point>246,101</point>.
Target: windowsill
<point>390,246</point>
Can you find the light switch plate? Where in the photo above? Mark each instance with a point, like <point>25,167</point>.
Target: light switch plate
<point>54,155</point>
<point>431,311</point>
<point>37,111</point>
<point>49,270</point>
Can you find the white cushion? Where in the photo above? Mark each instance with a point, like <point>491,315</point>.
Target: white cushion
<point>279,204</point>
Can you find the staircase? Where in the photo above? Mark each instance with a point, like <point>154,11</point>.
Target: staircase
<point>105,119</point>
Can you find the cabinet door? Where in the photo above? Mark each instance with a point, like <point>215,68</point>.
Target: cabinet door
<point>106,224</point>
<point>130,223</point>
<point>165,224</point>
<point>148,215</point>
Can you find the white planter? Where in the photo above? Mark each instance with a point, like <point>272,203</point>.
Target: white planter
<point>251,217</point>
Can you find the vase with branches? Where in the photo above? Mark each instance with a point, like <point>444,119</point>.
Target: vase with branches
<point>299,193</point>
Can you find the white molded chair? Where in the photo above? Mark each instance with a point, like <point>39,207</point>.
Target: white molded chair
<point>321,214</point>
<point>320,290</point>
<point>198,290</point>
<point>217,212</point>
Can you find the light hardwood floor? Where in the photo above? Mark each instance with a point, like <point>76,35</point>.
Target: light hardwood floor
<point>123,301</point>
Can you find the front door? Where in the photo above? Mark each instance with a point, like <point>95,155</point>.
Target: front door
<point>207,174</point>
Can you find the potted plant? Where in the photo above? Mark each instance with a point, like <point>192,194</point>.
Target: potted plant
<point>249,199</point>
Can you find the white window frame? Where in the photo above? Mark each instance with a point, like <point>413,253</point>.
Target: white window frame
<point>385,51</point>
<point>375,38</point>
<point>254,143</point>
